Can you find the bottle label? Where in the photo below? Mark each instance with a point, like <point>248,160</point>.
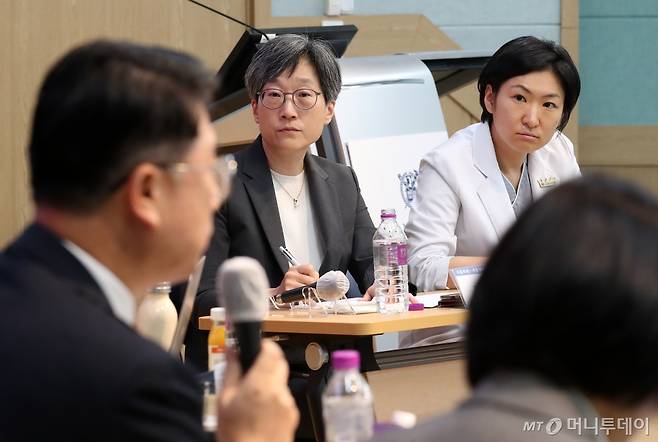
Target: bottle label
<point>218,375</point>
<point>216,355</point>
<point>397,253</point>
<point>348,418</point>
<point>402,254</point>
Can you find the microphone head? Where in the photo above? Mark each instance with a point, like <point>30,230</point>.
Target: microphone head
<point>242,288</point>
<point>332,285</point>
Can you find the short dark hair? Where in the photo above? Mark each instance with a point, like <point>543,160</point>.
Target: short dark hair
<point>571,293</point>
<point>104,108</point>
<point>283,53</point>
<point>524,55</point>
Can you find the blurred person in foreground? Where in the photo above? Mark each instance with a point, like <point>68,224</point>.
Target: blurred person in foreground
<point>125,179</point>
<point>563,322</point>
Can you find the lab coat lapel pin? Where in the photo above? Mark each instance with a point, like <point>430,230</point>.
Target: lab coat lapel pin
<point>547,182</point>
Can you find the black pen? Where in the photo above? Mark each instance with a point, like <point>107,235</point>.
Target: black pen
<point>289,256</point>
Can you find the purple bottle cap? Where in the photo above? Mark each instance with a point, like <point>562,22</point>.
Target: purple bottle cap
<point>415,307</point>
<point>344,359</point>
<point>387,213</point>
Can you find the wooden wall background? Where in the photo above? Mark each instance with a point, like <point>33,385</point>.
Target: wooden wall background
<point>33,34</point>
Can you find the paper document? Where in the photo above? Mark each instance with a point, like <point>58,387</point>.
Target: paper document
<point>347,306</point>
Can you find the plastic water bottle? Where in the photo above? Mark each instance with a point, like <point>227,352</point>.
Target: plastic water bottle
<point>347,401</point>
<point>391,270</point>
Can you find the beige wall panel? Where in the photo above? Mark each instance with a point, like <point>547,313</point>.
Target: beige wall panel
<point>35,33</point>
<point>389,34</point>
<point>645,176</point>
<point>569,13</point>
<point>13,187</point>
<point>469,98</point>
<point>425,390</point>
<point>377,34</point>
<point>427,38</point>
<point>238,128</point>
<point>619,145</point>
<point>455,115</point>
<point>569,39</point>
<point>569,22</point>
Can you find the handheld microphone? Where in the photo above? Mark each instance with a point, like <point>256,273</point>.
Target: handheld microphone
<point>330,286</point>
<point>293,295</point>
<point>242,287</point>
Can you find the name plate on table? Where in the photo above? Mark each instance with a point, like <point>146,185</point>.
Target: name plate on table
<point>465,279</point>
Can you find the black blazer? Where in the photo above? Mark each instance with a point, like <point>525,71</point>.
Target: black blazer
<point>248,224</point>
<point>70,370</point>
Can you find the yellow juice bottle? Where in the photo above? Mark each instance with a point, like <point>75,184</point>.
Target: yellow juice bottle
<point>217,338</point>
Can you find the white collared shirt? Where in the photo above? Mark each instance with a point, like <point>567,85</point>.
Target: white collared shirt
<point>121,300</point>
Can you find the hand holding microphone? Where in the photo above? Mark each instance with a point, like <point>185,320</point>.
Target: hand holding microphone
<point>257,405</point>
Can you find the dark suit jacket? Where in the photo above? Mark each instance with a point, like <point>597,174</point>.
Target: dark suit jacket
<point>248,224</point>
<point>71,370</point>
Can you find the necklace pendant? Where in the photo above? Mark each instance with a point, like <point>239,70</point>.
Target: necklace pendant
<point>294,202</point>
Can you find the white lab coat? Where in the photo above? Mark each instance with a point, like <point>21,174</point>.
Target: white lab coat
<point>462,207</point>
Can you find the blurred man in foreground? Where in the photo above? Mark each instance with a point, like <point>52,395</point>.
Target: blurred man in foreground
<point>126,180</point>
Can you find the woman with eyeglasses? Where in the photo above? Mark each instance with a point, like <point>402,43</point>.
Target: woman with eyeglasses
<point>282,194</point>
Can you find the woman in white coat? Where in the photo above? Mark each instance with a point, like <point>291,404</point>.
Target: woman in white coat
<point>473,187</point>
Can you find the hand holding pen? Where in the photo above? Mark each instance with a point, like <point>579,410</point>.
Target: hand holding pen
<point>289,256</point>
<point>297,275</point>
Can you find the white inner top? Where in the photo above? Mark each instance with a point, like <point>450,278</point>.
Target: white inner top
<point>299,226</point>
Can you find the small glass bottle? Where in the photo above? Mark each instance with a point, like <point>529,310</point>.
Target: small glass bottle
<point>157,316</point>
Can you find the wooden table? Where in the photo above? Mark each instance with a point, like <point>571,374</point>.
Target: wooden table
<point>368,324</point>
<point>435,372</point>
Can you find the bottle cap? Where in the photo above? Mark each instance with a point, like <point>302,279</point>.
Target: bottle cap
<point>343,359</point>
<point>218,314</point>
<point>403,419</point>
<point>418,306</point>
<point>161,287</point>
<point>387,213</point>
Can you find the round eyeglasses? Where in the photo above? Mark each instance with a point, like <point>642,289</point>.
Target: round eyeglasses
<point>303,99</point>
<point>223,168</point>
